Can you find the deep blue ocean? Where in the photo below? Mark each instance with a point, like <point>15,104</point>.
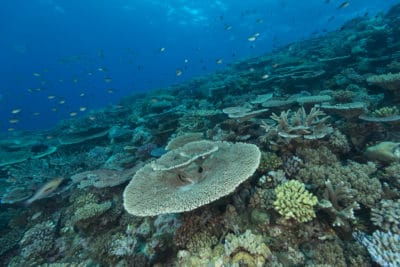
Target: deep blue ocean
<point>63,58</point>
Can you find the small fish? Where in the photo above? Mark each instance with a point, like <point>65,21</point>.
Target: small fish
<point>218,61</point>
<point>107,80</point>
<point>110,91</point>
<point>73,114</point>
<point>101,69</point>
<point>344,5</point>
<point>16,111</point>
<point>265,76</point>
<point>36,74</point>
<point>13,121</point>
<point>253,37</point>
<point>186,60</point>
<point>228,27</point>
<point>51,97</point>
<point>44,191</point>
<point>259,20</point>
<point>11,129</point>
<point>61,102</point>
<point>162,49</point>
<point>36,113</point>
<point>82,109</point>
<point>178,72</point>
<point>82,94</point>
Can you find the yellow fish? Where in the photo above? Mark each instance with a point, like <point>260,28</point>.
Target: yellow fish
<point>45,190</point>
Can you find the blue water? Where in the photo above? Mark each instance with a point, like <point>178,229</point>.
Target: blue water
<point>91,53</point>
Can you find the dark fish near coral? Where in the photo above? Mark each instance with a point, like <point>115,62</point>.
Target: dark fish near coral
<point>45,190</point>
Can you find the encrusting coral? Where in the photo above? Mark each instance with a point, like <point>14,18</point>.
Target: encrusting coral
<point>295,202</point>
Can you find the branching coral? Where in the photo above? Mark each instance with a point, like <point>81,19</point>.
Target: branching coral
<point>366,188</point>
<point>298,125</point>
<point>339,204</point>
<point>384,248</point>
<point>295,202</point>
<point>387,215</point>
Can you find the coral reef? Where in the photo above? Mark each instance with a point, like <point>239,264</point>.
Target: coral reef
<point>286,189</point>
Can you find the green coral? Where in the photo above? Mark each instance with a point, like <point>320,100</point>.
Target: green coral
<point>386,112</point>
<point>295,202</point>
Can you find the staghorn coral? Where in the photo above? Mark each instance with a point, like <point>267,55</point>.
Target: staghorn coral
<point>339,204</point>
<point>189,177</point>
<point>384,248</point>
<point>298,125</point>
<point>295,202</point>
<point>387,215</point>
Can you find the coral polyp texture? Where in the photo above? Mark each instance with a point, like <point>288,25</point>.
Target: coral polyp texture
<point>293,201</point>
<point>190,177</point>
